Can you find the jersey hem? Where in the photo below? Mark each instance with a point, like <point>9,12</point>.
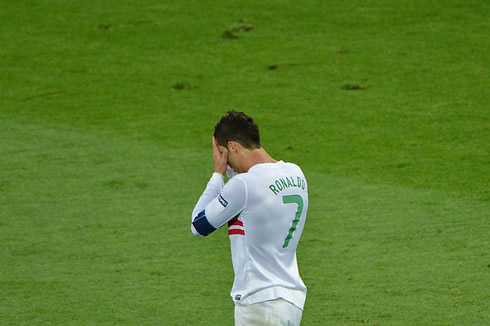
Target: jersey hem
<point>295,296</point>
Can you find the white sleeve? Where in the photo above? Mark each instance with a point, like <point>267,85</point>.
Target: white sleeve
<point>224,207</point>
<point>213,189</point>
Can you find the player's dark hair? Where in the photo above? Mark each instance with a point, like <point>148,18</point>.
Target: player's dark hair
<point>239,127</point>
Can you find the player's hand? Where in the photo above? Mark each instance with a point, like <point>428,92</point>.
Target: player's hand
<point>220,157</point>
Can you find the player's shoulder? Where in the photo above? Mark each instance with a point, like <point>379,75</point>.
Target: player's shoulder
<point>271,169</point>
<point>290,166</point>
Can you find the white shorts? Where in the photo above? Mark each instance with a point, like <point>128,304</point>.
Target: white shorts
<point>268,313</point>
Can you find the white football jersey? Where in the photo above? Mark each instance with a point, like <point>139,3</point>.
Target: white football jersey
<point>265,210</point>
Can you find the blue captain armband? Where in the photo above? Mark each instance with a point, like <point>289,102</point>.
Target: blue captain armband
<point>202,225</point>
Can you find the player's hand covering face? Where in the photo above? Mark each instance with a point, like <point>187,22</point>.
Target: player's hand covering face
<point>220,157</point>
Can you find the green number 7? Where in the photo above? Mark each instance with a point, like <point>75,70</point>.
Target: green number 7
<point>293,199</point>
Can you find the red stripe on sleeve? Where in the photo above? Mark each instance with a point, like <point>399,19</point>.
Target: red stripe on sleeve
<point>236,222</point>
<point>236,231</point>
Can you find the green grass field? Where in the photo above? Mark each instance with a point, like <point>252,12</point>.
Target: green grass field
<point>107,110</point>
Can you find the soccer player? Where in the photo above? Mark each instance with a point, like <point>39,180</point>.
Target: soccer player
<point>264,207</point>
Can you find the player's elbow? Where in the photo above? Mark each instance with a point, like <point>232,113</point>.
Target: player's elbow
<point>200,226</point>
<point>194,231</point>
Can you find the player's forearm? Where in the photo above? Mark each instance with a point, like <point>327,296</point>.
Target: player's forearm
<point>213,189</point>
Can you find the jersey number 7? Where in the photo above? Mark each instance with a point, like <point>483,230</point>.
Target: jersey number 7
<point>293,199</point>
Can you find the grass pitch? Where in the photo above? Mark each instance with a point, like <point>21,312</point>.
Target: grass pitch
<point>106,116</point>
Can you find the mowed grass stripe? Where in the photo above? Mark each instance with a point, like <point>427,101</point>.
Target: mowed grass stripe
<point>106,219</point>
